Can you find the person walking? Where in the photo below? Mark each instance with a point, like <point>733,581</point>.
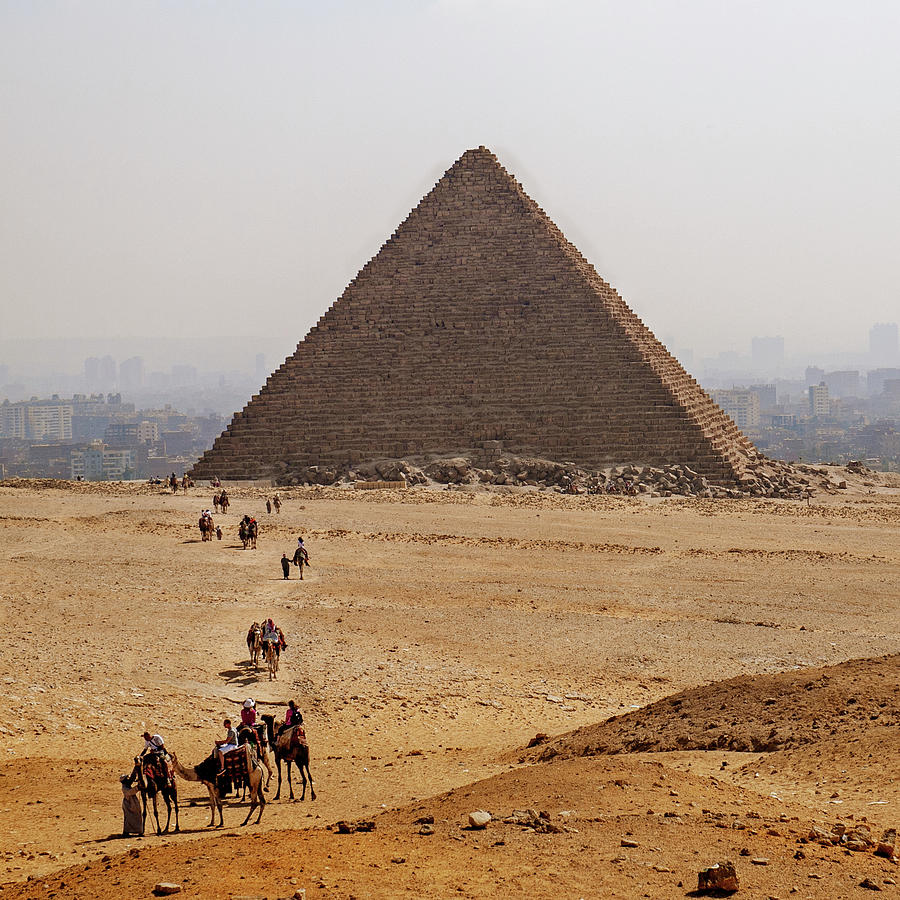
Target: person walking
<point>285,566</point>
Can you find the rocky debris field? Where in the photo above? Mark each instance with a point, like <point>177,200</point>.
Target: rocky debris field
<point>762,477</point>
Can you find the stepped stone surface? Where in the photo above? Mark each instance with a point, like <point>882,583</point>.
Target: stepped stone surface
<point>478,321</point>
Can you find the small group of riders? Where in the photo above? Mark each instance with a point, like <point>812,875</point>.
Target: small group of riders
<point>221,499</point>
<point>276,502</point>
<point>185,483</point>
<point>154,756</point>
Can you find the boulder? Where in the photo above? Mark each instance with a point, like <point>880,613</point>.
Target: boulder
<point>720,877</point>
<point>479,818</point>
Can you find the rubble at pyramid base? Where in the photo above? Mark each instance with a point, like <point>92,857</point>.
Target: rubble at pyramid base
<point>495,470</point>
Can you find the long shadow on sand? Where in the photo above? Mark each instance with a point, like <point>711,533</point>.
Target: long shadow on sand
<point>243,676</point>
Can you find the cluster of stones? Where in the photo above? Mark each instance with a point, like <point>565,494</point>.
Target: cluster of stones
<point>478,322</point>
<point>857,837</point>
<point>771,479</point>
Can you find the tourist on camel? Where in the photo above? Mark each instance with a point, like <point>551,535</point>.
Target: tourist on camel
<point>292,717</point>
<point>155,746</point>
<point>225,745</point>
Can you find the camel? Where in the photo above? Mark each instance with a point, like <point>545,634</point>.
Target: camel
<point>253,531</point>
<point>207,772</point>
<point>292,748</point>
<point>271,652</point>
<point>207,528</point>
<point>254,644</point>
<point>246,734</point>
<point>152,779</point>
<point>244,533</point>
<point>223,501</point>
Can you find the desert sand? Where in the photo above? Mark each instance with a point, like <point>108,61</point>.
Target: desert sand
<point>747,650</point>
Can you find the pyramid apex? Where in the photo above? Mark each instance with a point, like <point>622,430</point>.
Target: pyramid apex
<point>480,152</point>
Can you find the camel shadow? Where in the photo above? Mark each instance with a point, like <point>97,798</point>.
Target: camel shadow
<point>240,676</point>
<point>192,541</point>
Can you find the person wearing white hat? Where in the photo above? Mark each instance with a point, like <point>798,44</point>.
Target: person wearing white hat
<point>248,713</point>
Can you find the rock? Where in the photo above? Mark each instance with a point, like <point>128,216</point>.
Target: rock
<point>539,738</point>
<point>869,884</point>
<point>887,846</point>
<point>164,888</point>
<point>479,818</point>
<point>425,820</point>
<point>760,861</point>
<point>426,829</point>
<point>720,877</point>
<point>627,843</point>
<point>300,894</point>
<point>399,860</point>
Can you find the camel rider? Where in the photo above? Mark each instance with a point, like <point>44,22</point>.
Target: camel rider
<point>292,717</point>
<point>154,746</point>
<point>301,554</point>
<point>227,744</point>
<point>270,634</point>
<point>248,720</point>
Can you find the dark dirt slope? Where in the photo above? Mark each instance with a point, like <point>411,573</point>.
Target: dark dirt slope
<point>759,713</point>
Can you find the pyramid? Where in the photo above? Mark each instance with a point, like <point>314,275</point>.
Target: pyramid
<point>478,321</point>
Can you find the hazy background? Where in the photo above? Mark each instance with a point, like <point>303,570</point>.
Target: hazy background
<point>203,169</point>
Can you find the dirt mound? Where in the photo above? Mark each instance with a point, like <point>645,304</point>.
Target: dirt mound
<point>607,828</point>
<point>762,713</point>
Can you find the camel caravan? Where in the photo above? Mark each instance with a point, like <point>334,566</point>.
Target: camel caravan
<point>241,760</point>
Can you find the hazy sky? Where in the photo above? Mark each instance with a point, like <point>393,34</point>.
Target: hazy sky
<point>227,167</point>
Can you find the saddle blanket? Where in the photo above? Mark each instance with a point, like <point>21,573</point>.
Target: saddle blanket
<point>236,765</point>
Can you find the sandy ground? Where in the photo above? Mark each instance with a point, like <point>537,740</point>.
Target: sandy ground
<point>435,634</point>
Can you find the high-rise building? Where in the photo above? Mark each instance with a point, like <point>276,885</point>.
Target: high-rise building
<point>814,375</point>
<point>767,394</point>
<point>131,374</point>
<point>106,372</point>
<point>37,420</point>
<point>884,345</point>
<point>842,384</point>
<point>741,405</point>
<point>767,352</point>
<point>819,404</point>
<point>876,378</point>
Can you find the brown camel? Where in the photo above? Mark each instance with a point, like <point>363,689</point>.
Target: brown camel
<point>152,779</point>
<point>271,654</point>
<point>207,772</point>
<point>291,747</point>
<point>254,644</point>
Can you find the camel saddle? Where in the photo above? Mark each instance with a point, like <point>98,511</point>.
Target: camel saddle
<point>298,736</point>
<point>236,766</point>
<point>156,769</point>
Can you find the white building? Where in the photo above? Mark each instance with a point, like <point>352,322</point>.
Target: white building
<point>741,405</point>
<point>819,403</point>
<point>36,420</point>
<point>99,463</point>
